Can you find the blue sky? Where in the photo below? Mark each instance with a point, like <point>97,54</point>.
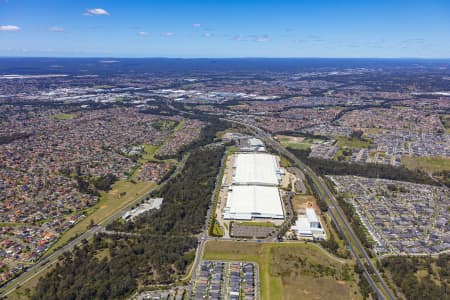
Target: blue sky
<point>169,28</point>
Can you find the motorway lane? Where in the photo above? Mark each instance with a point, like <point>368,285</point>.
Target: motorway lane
<point>334,211</point>
<point>331,202</point>
<point>37,268</point>
<point>338,209</point>
<point>49,259</point>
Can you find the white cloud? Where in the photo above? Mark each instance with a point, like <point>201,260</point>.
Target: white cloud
<point>238,38</point>
<point>196,25</point>
<point>56,29</point>
<point>9,28</point>
<point>168,33</point>
<point>262,39</point>
<point>207,34</point>
<point>96,12</point>
<point>252,38</point>
<point>143,33</point>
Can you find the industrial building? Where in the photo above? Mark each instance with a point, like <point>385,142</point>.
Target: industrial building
<point>246,202</point>
<point>308,226</point>
<point>152,203</point>
<point>246,143</point>
<point>257,169</point>
<point>254,190</point>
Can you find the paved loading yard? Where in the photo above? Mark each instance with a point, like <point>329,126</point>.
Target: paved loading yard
<point>226,280</point>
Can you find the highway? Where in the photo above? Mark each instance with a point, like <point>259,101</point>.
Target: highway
<point>49,259</point>
<point>334,210</point>
<point>336,213</point>
<point>43,264</point>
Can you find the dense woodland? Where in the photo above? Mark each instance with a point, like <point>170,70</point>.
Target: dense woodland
<point>186,198</point>
<point>5,139</point>
<point>113,266</point>
<point>420,277</point>
<point>332,167</point>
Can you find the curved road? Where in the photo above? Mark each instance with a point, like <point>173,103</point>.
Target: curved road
<point>335,212</point>
<point>49,260</point>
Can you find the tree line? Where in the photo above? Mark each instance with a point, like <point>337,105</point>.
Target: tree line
<point>433,282</point>
<point>113,266</point>
<point>332,167</point>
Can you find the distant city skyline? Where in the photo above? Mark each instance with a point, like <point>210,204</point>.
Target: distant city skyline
<point>214,29</point>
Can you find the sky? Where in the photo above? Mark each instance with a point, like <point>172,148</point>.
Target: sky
<point>232,28</point>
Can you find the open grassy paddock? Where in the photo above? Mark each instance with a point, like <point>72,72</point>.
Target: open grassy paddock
<point>149,153</point>
<point>291,270</point>
<point>294,142</point>
<point>427,164</point>
<point>261,224</point>
<point>63,116</point>
<point>300,201</point>
<point>445,119</point>
<point>298,146</point>
<point>109,203</point>
<point>351,142</point>
<point>121,194</point>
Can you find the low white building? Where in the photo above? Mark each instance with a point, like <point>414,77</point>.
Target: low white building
<point>152,203</point>
<point>308,226</point>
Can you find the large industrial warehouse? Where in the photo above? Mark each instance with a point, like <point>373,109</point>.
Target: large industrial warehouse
<point>254,190</point>
<point>256,168</point>
<point>246,202</point>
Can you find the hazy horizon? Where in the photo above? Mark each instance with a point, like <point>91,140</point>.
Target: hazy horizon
<point>225,29</point>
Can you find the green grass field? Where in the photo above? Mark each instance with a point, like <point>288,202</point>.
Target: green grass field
<point>373,130</point>
<point>261,224</point>
<point>340,153</point>
<point>180,125</point>
<point>108,204</point>
<point>298,146</point>
<point>295,142</point>
<point>427,164</point>
<point>445,119</point>
<point>216,230</point>
<point>353,143</point>
<point>63,116</point>
<point>11,224</point>
<point>103,87</point>
<point>291,270</point>
<point>149,153</point>
<point>284,162</point>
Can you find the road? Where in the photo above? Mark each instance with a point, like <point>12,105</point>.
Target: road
<point>49,259</point>
<point>336,213</point>
<point>43,264</point>
<point>203,236</point>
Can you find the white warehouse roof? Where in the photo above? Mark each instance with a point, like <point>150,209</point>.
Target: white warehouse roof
<point>256,168</point>
<point>309,225</point>
<point>250,201</point>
